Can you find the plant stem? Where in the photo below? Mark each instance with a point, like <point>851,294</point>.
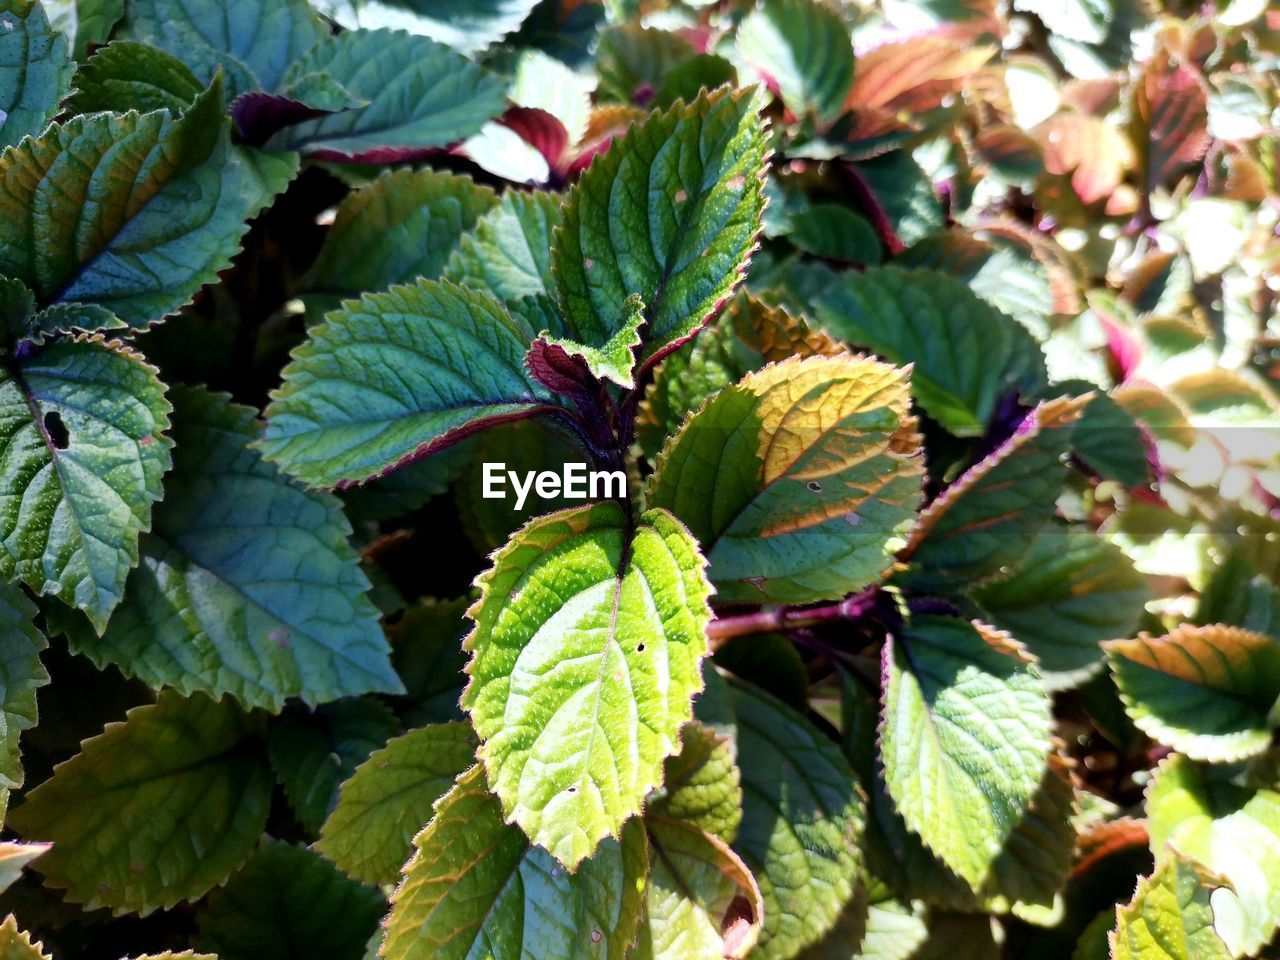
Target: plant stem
<point>723,629</point>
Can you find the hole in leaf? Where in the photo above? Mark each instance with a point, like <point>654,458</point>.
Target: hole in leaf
<point>814,486</point>
<point>56,430</point>
<point>573,789</point>
<point>640,648</point>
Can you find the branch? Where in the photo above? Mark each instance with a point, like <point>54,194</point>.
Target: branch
<point>723,629</point>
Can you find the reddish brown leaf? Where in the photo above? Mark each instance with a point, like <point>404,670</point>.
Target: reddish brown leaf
<point>1088,150</point>
<point>914,75</point>
<point>1171,121</point>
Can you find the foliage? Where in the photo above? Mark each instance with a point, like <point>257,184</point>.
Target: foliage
<point>921,596</point>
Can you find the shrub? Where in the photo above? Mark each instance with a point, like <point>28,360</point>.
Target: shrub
<point>555,480</point>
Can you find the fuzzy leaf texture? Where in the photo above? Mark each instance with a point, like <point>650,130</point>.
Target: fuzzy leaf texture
<point>800,482</point>
<point>246,583</point>
<point>671,212</point>
<point>1170,917</point>
<point>585,656</point>
<point>156,809</point>
<point>132,212</point>
<point>1233,830</point>
<point>394,377</point>
<point>476,886</point>
<point>1209,692</point>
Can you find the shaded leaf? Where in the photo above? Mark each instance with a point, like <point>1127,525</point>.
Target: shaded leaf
<point>287,903</point>
<point>35,70</point>
<point>988,518</point>
<point>21,675</point>
<point>807,512</point>
<point>390,797</point>
<point>1067,595</point>
<point>584,663</point>
<point>403,226</point>
<point>313,753</point>
<point>472,882</point>
<point>125,75</point>
<point>966,354</point>
<point>254,42</point>
<point>246,584</point>
<point>156,809</point>
<point>802,819</point>
<point>961,781</point>
<point>508,253</point>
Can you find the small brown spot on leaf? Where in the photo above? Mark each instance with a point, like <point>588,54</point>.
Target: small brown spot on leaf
<point>596,936</point>
<point>736,183</point>
<point>280,638</point>
<point>681,195</point>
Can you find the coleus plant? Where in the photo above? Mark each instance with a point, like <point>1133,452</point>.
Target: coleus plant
<point>935,613</point>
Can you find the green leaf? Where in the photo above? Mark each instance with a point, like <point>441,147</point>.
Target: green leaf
<point>94,21</point>
<point>701,784</point>
<point>701,900</point>
<point>287,903</point>
<point>156,809</point>
<point>132,212</point>
<point>589,634</point>
<point>390,797</point>
<point>671,212</point>
<point>894,931</point>
<point>747,335</point>
<point>965,739</point>
<point>989,517</point>
<point>801,825</point>
<point>1170,917</point>
<point>508,253</point>
<point>834,232</point>
<point>35,70</point>
<point>427,654</point>
<point>15,944</point>
<point>85,456</point>
<point>1107,438</point>
<point>1071,592</point>
<point>966,354</point>
<point>124,76</point>
<point>477,887</point>
<point>21,675</point>
<point>314,752</point>
<point>804,48</point>
<point>395,376</point>
<point>615,359</point>
<point>800,481</point>
<point>421,95</point>
<point>1231,829</point>
<point>247,584</point>
<point>254,42</point>
<point>1238,595</point>
<point>15,856</point>
<point>401,227</point>
<point>1209,692</point>
<point>467,27</point>
<point>632,58</point>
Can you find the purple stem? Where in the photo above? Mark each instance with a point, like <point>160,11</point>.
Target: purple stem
<point>722,629</point>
